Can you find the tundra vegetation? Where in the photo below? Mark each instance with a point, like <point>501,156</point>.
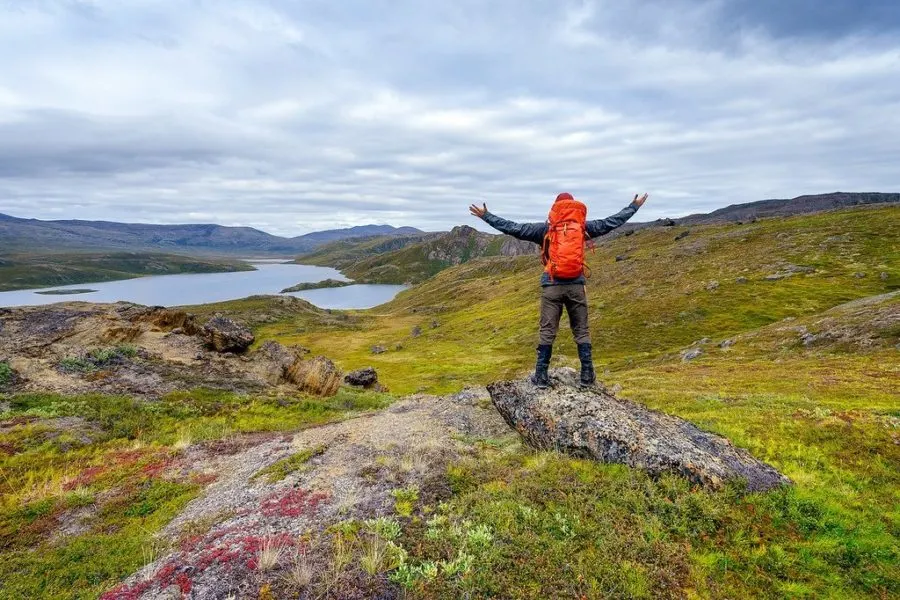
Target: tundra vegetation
<point>801,369</point>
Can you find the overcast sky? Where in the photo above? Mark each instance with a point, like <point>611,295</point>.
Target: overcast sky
<point>292,116</point>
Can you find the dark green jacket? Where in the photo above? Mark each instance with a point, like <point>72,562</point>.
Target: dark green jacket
<point>535,232</point>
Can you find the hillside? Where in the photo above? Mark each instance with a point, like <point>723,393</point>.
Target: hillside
<point>800,205</point>
<point>26,235</point>
<point>24,271</point>
<point>409,260</point>
<point>793,326</point>
<point>660,297</point>
<point>414,259</point>
<point>343,253</point>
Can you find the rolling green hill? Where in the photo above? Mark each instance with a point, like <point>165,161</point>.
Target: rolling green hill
<point>663,295</point>
<point>410,260</point>
<point>797,321</point>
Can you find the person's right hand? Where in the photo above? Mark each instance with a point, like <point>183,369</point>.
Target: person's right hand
<point>478,212</point>
<point>639,202</point>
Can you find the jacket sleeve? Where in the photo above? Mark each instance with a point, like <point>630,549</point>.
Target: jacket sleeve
<point>529,232</point>
<point>600,227</point>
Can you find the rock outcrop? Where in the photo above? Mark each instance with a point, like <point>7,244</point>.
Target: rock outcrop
<point>124,348</point>
<point>364,378</point>
<point>592,423</point>
<point>318,376</point>
<point>225,335</point>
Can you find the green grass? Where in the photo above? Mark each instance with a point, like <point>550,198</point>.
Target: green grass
<point>113,465</point>
<point>551,526</point>
<point>284,467</point>
<point>25,271</point>
<point>97,358</point>
<point>6,373</point>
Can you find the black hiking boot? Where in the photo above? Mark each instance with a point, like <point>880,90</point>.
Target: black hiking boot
<point>541,378</point>
<point>588,377</point>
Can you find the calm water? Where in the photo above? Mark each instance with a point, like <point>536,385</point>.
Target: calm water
<point>202,288</point>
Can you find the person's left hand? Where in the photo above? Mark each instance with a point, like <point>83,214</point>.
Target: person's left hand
<point>639,202</point>
<point>478,212</point>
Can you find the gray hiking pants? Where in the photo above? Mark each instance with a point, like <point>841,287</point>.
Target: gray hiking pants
<point>573,297</point>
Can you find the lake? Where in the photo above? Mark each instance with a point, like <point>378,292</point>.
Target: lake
<point>203,288</point>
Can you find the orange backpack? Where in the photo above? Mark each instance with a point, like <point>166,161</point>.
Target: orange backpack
<point>563,250</point>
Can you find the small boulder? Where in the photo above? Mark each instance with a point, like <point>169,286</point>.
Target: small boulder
<point>683,235</point>
<point>416,331</point>
<point>364,378</point>
<point>884,276</point>
<point>667,222</point>
<point>726,344</point>
<point>318,376</point>
<point>225,335</point>
<point>621,257</point>
<point>629,232</point>
<point>741,280</point>
<point>712,286</point>
<point>808,339</point>
<point>691,354</point>
<point>435,323</point>
<point>859,275</point>
<point>378,349</point>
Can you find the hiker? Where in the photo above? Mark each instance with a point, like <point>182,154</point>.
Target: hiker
<point>562,239</point>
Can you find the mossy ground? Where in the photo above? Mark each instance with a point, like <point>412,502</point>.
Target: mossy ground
<point>112,474</point>
<point>520,524</point>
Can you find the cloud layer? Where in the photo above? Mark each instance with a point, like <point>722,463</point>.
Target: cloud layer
<point>296,116</point>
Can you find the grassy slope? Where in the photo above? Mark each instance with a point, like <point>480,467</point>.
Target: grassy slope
<point>537,524</point>
<point>405,260</point>
<point>343,253</point>
<point>23,271</point>
<point>826,414</point>
<point>644,309</point>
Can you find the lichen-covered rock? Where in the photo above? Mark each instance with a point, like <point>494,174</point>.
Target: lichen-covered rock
<point>225,335</point>
<point>364,378</point>
<point>592,423</point>
<point>318,376</point>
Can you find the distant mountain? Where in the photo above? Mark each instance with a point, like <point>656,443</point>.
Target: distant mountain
<point>789,207</point>
<point>29,235</point>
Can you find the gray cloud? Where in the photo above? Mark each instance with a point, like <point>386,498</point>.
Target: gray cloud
<point>297,116</point>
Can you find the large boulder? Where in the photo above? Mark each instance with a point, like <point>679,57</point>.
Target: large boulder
<point>225,335</point>
<point>592,423</point>
<point>318,376</point>
<point>364,378</point>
